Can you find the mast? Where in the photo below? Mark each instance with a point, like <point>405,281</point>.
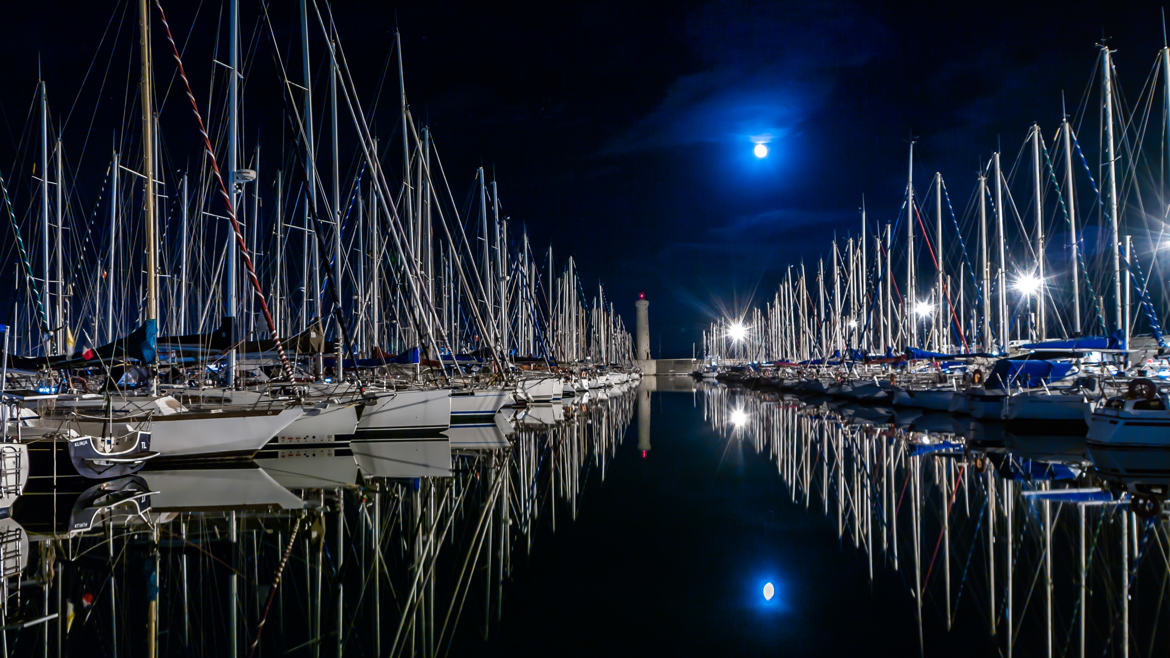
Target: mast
<point>889,286</point>
<point>863,246</point>
<point>940,322</point>
<point>1041,325</point>
<point>1072,221</point>
<point>112,254</point>
<point>1111,187</point>
<point>53,346</point>
<point>309,246</point>
<point>183,260</point>
<point>278,270</point>
<point>911,293</point>
<point>408,194</point>
<point>984,264</point>
<point>501,267</point>
<point>1001,275</point>
<point>148,170</point>
<point>487,256</point>
<point>233,166</point>
<point>62,346</point>
<point>337,259</point>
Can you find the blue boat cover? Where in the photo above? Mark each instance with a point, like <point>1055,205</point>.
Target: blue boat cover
<point>1024,373</point>
<point>1112,342</point>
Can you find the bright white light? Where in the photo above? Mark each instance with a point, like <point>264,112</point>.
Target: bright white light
<point>760,151</point>
<point>737,332</point>
<point>1028,284</point>
<point>853,324</point>
<point>769,591</point>
<point>923,309</point>
<point>738,417</point>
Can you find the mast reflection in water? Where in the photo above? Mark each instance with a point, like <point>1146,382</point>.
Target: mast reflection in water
<point>1022,532</point>
<point>385,547</point>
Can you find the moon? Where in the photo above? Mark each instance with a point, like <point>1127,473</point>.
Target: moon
<point>760,151</point>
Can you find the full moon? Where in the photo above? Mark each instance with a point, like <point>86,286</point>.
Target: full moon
<point>769,591</point>
<point>760,151</point>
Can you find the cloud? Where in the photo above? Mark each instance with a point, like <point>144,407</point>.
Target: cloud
<point>758,73</point>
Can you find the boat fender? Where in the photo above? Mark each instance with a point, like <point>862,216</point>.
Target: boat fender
<point>81,382</point>
<point>1141,389</point>
<point>977,377</point>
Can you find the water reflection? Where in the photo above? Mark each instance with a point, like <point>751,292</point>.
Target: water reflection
<point>382,547</point>
<point>1030,533</point>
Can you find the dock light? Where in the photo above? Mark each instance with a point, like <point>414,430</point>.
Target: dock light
<point>737,332</point>
<point>853,324</point>
<point>923,309</point>
<point>1028,284</point>
<point>769,591</point>
<point>760,151</point>
<point>738,417</point>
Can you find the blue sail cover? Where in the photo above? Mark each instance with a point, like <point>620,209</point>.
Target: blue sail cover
<point>1088,343</point>
<point>1023,373</point>
<point>915,353</point>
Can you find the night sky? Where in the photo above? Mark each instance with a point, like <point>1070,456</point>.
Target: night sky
<point>622,132</point>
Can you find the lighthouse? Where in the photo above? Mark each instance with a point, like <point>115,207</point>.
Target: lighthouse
<point>642,328</point>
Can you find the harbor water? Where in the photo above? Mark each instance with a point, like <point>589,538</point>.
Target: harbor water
<point>666,518</point>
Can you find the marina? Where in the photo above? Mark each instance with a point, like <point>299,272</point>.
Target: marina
<point>328,330</point>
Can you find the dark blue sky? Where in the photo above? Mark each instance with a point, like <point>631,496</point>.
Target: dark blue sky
<point>622,132</point>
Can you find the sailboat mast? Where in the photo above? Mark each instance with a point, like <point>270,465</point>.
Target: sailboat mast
<point>233,167</point>
<point>1001,239</point>
<point>1070,201</point>
<point>501,266</point>
<point>1111,187</point>
<point>59,179</point>
<point>53,345</point>
<point>940,322</point>
<point>486,270</point>
<point>1041,324</point>
<point>911,292</point>
<point>182,328</point>
<point>337,255</point>
<point>984,265</point>
<point>112,253</point>
<point>863,245</point>
<point>148,171</point>
<point>310,248</point>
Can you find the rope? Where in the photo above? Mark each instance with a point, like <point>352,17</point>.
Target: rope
<point>44,318</point>
<point>275,585</point>
<point>1097,199</point>
<point>1144,294</point>
<point>963,247</point>
<point>1080,248</point>
<point>938,543</point>
<point>946,291</point>
<point>227,199</point>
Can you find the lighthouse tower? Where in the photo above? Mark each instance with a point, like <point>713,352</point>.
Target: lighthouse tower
<point>642,328</point>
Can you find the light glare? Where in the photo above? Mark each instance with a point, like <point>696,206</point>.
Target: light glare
<point>1028,284</point>
<point>739,417</point>
<point>923,309</point>
<point>737,332</point>
<point>760,151</point>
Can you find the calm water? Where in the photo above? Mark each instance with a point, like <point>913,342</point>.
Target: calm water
<point>643,523</point>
